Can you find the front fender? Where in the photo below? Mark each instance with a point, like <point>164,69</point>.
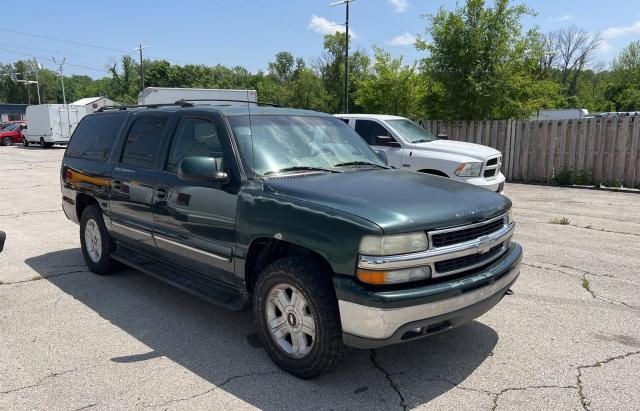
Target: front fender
<point>333,234</point>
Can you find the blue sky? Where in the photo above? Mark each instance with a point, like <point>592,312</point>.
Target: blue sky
<point>250,32</point>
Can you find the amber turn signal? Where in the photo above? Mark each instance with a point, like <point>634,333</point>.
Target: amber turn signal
<point>372,277</point>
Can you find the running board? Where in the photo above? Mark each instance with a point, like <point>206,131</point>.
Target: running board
<point>187,280</point>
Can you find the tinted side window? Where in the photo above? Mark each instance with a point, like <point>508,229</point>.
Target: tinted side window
<point>94,136</point>
<point>194,138</point>
<point>369,130</point>
<point>143,141</point>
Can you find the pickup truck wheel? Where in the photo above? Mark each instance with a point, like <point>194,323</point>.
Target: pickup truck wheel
<point>96,242</point>
<point>296,313</point>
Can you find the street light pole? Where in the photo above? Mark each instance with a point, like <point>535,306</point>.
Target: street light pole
<point>140,48</point>
<point>64,97</point>
<point>346,54</point>
<point>37,80</point>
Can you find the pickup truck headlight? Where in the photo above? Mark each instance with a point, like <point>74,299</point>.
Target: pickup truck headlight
<point>468,169</point>
<point>393,244</point>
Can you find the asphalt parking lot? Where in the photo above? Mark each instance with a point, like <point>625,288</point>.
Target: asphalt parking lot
<point>569,337</point>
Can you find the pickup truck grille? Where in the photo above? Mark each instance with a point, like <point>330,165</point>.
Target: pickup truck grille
<point>492,167</point>
<point>462,235</point>
<point>468,261</point>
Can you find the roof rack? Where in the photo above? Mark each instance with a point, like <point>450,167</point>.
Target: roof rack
<point>187,102</point>
<point>184,103</point>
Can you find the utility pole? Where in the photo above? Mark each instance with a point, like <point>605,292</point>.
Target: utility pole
<point>346,54</point>
<point>140,48</point>
<point>64,97</point>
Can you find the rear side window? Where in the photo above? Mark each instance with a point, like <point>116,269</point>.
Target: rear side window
<point>94,136</point>
<point>369,130</point>
<point>143,141</point>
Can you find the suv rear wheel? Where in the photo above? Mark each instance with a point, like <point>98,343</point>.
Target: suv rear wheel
<point>96,242</point>
<point>296,313</point>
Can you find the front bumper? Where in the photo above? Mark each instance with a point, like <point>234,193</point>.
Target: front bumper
<point>377,318</point>
<point>495,184</point>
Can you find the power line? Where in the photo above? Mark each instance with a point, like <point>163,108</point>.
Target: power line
<point>45,50</point>
<point>78,43</point>
<point>49,59</point>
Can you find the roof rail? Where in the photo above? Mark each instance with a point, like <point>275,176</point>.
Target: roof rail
<point>187,102</point>
<point>183,103</point>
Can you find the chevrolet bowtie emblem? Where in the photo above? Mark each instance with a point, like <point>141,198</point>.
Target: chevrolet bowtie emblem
<point>484,245</point>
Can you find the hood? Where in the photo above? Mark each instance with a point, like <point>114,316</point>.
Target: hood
<point>396,200</point>
<point>476,151</point>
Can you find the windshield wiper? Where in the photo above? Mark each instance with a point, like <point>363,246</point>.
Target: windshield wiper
<point>300,168</point>
<point>358,163</point>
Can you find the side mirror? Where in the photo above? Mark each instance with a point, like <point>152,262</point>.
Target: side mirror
<point>201,169</point>
<point>382,156</point>
<point>443,137</point>
<point>386,141</point>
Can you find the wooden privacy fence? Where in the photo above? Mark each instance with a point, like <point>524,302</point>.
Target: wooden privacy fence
<point>584,151</point>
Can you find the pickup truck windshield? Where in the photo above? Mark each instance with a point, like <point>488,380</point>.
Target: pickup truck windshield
<point>273,144</point>
<point>410,131</point>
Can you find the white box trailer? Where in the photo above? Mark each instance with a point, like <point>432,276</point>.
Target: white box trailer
<point>50,124</point>
<point>167,95</point>
<point>561,114</point>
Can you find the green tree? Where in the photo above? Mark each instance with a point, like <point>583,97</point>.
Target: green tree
<point>390,88</point>
<point>330,66</point>
<point>481,65</point>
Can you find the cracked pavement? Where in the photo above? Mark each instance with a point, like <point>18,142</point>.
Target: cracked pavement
<point>568,338</point>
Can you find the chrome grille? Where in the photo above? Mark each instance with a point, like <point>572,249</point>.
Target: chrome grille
<point>468,261</point>
<point>456,235</point>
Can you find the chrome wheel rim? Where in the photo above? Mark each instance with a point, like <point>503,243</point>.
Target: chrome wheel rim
<point>93,241</point>
<point>8,141</point>
<point>290,320</point>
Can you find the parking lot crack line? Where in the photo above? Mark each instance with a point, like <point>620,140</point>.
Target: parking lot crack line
<point>393,385</point>
<point>30,213</point>
<point>217,386</point>
<point>41,277</point>
<point>586,403</point>
<point>530,387</point>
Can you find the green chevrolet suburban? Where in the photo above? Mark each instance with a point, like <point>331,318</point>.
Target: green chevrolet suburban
<point>291,214</point>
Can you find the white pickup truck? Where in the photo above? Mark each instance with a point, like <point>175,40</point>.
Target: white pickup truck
<point>407,145</point>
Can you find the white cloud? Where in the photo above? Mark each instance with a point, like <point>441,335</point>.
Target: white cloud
<point>566,17</point>
<point>399,5</point>
<point>405,39</point>
<point>321,25</point>
<point>613,32</point>
<point>605,47</point>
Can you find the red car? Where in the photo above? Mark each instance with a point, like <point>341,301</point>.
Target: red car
<point>12,134</point>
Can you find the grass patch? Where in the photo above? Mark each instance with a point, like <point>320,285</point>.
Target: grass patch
<point>560,220</point>
<point>587,286</point>
<point>36,278</point>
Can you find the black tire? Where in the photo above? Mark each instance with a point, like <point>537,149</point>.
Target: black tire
<point>105,264</point>
<point>316,286</point>
<point>7,141</point>
<point>42,143</point>
<point>25,142</point>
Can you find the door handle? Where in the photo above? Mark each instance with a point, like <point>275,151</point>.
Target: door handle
<point>161,193</point>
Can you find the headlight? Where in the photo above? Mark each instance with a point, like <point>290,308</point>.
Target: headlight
<point>394,276</point>
<point>512,216</point>
<point>393,244</point>
<point>468,169</point>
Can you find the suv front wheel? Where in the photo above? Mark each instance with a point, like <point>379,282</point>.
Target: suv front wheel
<point>96,242</point>
<point>297,317</point>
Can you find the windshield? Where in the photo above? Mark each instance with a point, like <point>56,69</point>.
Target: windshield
<point>271,143</point>
<point>410,131</point>
<point>11,127</point>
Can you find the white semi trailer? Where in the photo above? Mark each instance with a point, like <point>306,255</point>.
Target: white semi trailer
<point>51,124</point>
<point>167,95</point>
